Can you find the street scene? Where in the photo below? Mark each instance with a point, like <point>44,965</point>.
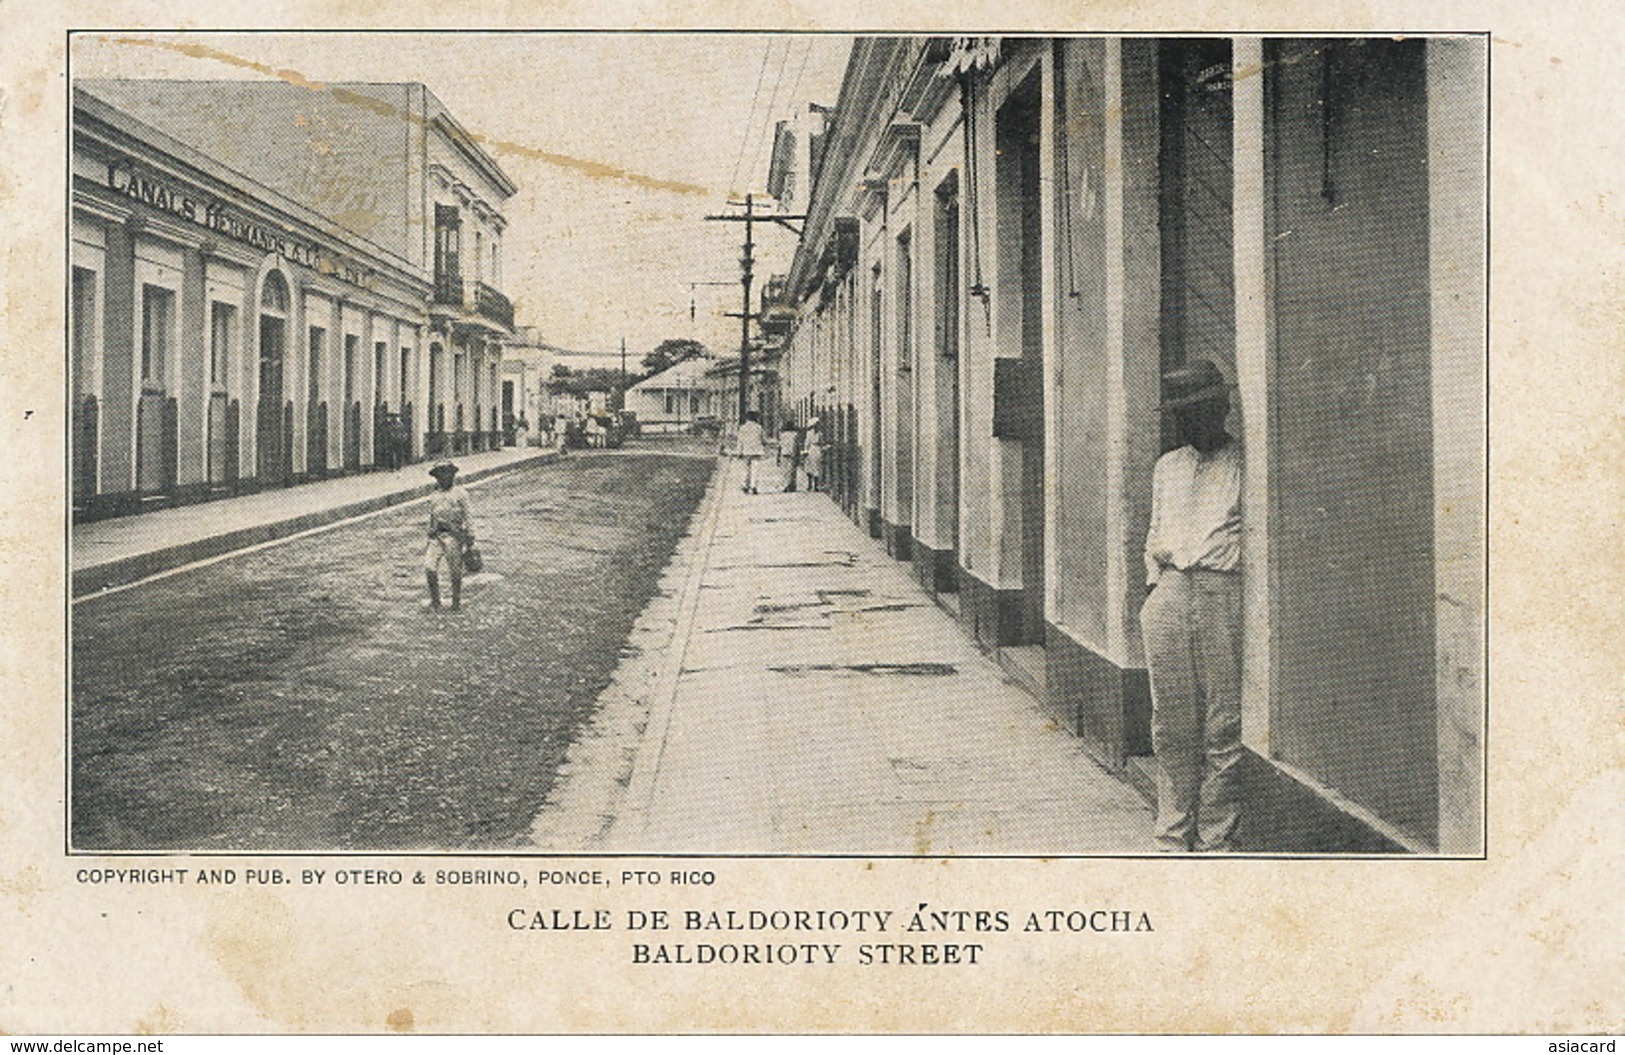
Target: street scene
<point>303,697</point>
<point>914,446</point>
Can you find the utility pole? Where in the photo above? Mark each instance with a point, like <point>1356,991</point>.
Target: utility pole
<point>623,374</point>
<point>746,265</point>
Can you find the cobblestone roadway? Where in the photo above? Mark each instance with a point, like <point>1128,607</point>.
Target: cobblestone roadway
<point>301,697</point>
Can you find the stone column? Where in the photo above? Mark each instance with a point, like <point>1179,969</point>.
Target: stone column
<point>368,384</point>
<point>1254,350</point>
<point>192,376</point>
<point>118,374</point>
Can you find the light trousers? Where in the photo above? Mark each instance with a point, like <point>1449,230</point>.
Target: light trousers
<point>1192,628</point>
<point>443,549</point>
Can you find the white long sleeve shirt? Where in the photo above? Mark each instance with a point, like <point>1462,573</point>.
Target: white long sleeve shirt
<point>750,440</point>
<point>1195,511</point>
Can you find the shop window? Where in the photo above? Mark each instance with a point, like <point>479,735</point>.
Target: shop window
<point>222,331</point>
<point>352,363</point>
<point>83,330</point>
<point>157,330</point>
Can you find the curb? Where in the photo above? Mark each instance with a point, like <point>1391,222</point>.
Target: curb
<point>640,789</point>
<point>125,570</point>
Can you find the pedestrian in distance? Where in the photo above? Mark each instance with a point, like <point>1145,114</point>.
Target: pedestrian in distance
<point>813,453</point>
<point>787,439</point>
<point>1191,620</point>
<point>451,531</point>
<point>791,439</point>
<point>751,447</point>
<point>398,441</point>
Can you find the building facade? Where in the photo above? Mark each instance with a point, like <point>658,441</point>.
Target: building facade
<point>675,398</point>
<point>271,284</point>
<point>526,365</point>
<point>521,400</point>
<point>1010,240</point>
<point>762,393</point>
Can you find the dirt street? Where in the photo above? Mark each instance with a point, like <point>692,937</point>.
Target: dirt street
<point>303,698</point>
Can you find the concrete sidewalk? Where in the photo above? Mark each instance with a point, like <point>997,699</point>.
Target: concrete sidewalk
<point>120,550</point>
<point>817,701</point>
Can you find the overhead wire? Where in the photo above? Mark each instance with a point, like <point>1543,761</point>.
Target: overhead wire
<point>766,135</point>
<point>795,86</point>
<point>750,120</point>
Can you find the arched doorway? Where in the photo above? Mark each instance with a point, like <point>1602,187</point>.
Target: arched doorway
<point>273,426</point>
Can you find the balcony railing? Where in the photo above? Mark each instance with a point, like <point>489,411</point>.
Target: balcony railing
<point>493,305</point>
<point>448,289</point>
<point>451,291</point>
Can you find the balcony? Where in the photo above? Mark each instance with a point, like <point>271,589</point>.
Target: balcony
<point>448,288</point>
<point>778,315</point>
<point>490,304</point>
<point>476,306</point>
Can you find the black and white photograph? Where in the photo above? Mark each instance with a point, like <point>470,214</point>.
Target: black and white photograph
<point>920,521</point>
<point>930,445</point>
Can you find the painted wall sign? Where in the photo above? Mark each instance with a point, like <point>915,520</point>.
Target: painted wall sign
<point>127,180</point>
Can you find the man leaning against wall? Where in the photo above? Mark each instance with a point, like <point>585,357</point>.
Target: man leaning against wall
<point>1191,620</point>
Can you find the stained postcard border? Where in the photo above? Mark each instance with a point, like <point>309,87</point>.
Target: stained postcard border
<point>1551,845</point>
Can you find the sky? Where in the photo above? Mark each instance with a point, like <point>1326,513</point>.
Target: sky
<point>587,259</point>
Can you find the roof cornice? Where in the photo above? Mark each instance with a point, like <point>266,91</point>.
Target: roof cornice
<point>464,143</point>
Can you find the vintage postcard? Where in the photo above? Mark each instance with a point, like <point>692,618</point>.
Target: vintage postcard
<point>1008,521</point>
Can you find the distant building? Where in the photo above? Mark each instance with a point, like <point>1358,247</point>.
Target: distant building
<point>1010,240</point>
<point>764,394</point>
<point>675,397</point>
<point>566,405</point>
<point>528,344</point>
<point>267,279</point>
<point>521,399</point>
<point>527,363</point>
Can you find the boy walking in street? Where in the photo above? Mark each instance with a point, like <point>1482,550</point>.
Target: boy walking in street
<point>451,530</point>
